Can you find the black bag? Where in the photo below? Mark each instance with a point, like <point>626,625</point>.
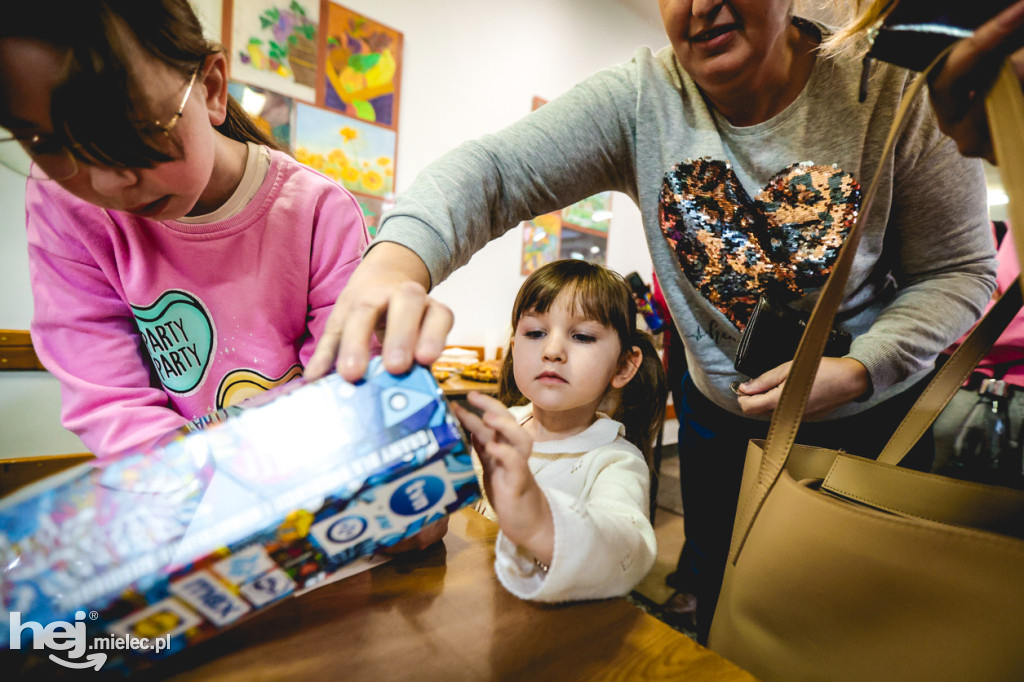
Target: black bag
<point>916,31</point>
<point>772,335</point>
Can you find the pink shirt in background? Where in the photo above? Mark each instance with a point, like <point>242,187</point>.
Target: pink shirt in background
<point>1009,347</point>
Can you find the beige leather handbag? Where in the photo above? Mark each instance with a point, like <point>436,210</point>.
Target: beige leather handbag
<point>844,568</point>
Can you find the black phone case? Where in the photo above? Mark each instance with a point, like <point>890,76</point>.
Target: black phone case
<point>772,336</point>
<point>916,31</point>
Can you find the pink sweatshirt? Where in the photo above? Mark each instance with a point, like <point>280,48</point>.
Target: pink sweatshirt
<point>149,324</point>
<point>1008,350</point>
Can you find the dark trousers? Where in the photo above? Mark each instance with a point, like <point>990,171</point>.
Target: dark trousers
<point>712,449</point>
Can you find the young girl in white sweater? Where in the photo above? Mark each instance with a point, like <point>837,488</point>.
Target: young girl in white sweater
<point>568,483</point>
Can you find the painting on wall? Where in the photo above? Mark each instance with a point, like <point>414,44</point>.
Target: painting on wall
<point>274,45</point>
<point>271,111</point>
<point>362,67</point>
<point>583,244</point>
<point>541,238</point>
<point>359,155</point>
<point>373,208</point>
<point>211,17</point>
<point>593,213</point>
<point>577,231</point>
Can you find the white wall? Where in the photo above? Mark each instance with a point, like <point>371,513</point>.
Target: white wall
<point>29,401</point>
<point>499,56</point>
<point>469,68</point>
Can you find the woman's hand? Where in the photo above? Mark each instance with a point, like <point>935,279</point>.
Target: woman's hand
<point>838,381</point>
<point>958,88</point>
<point>504,448</point>
<point>388,291</point>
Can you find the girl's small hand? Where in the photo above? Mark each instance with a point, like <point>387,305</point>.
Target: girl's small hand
<point>504,448</point>
<point>838,381</point>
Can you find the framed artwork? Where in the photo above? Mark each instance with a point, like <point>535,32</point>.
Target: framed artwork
<point>359,155</point>
<point>274,45</point>
<point>541,241</point>
<point>583,244</point>
<point>593,213</point>
<point>577,231</point>
<point>373,208</point>
<point>585,229</point>
<point>362,67</point>
<point>271,111</point>
<point>211,16</point>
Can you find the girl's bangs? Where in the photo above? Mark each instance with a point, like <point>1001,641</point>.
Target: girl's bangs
<point>594,292</point>
<point>94,107</point>
<point>106,131</point>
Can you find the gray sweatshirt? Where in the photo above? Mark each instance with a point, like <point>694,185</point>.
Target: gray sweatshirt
<point>924,270</point>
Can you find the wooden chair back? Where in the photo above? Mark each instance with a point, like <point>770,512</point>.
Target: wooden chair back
<point>20,471</point>
<point>16,351</point>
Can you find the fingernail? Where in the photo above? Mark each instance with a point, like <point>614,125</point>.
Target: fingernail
<point>348,363</point>
<point>398,357</point>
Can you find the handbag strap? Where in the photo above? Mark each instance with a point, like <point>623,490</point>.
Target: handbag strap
<point>1005,107</point>
<point>950,378</point>
<point>913,494</point>
<point>796,390</point>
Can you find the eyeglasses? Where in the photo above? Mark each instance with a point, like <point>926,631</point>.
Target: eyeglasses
<point>46,157</point>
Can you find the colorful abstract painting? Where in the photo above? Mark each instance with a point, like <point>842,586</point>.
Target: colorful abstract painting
<point>359,155</point>
<point>541,238</point>
<point>362,67</point>
<point>274,45</point>
<point>269,110</point>
<point>593,213</point>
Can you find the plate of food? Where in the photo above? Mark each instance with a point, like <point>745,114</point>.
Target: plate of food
<point>485,371</point>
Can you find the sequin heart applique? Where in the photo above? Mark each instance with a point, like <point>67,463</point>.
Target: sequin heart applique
<point>732,248</point>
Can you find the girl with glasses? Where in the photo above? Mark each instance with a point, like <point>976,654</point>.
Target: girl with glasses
<point>180,261</point>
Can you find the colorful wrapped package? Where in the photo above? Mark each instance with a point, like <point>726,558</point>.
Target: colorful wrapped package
<point>166,547</point>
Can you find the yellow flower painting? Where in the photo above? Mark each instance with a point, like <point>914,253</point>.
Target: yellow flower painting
<point>359,155</point>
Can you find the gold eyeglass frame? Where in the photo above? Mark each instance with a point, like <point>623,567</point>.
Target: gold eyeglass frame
<point>17,165</point>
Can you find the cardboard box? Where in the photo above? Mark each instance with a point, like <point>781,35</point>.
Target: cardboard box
<point>176,543</point>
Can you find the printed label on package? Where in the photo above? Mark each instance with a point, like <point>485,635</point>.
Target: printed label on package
<point>164,618</point>
<point>339,532</point>
<point>243,566</point>
<point>424,491</point>
<point>293,491</point>
<point>210,597</point>
<point>267,588</point>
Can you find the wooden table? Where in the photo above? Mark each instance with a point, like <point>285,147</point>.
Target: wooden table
<point>442,615</point>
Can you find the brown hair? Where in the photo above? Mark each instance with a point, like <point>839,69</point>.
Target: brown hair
<point>601,295</point>
<point>92,106</point>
